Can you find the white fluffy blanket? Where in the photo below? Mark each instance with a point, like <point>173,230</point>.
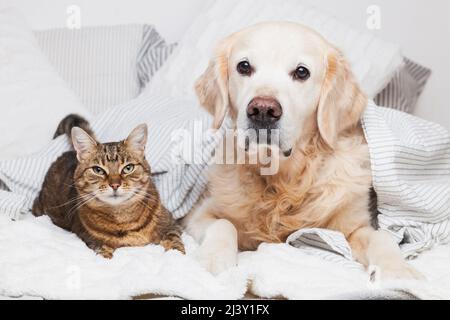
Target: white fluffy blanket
<point>35,264</point>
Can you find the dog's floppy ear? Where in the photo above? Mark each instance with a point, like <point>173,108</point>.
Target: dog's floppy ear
<point>212,86</point>
<point>341,101</point>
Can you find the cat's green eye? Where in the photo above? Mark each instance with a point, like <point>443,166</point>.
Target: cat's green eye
<point>98,170</point>
<point>128,168</point>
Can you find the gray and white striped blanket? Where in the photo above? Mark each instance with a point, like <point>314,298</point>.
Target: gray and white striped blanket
<point>410,160</point>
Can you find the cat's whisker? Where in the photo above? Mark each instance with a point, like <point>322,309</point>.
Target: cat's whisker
<point>77,206</point>
<point>74,210</point>
<point>147,196</point>
<point>76,199</point>
<point>82,203</point>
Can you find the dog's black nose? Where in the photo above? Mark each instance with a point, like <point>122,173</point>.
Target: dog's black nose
<point>264,111</point>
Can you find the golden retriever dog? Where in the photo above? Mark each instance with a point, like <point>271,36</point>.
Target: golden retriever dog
<point>284,76</point>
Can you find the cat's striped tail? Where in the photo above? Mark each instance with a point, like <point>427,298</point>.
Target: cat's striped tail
<point>70,121</point>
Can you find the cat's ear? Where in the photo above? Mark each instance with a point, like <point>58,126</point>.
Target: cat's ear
<point>137,138</point>
<point>83,143</point>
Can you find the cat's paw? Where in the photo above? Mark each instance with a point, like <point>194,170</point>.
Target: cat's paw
<point>105,251</point>
<point>216,258</point>
<point>173,245</point>
<point>395,271</point>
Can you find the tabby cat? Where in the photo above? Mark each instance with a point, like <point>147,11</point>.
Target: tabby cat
<point>103,192</point>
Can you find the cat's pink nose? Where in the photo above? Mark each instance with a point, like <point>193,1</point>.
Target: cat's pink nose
<point>115,186</point>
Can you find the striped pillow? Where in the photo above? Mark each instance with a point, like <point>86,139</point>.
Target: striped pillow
<point>405,87</point>
<point>152,54</point>
<point>102,64</point>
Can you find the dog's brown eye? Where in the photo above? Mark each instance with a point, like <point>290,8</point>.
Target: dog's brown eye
<point>301,73</point>
<point>244,68</point>
<point>98,170</point>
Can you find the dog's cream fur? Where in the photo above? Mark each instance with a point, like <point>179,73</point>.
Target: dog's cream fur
<point>325,181</point>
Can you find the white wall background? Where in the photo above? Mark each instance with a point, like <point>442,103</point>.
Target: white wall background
<point>421,27</point>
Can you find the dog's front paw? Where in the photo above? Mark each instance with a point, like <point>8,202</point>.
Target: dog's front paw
<point>216,258</point>
<point>393,271</point>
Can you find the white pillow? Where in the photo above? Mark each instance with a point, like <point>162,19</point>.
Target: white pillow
<point>33,98</point>
<point>373,61</point>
